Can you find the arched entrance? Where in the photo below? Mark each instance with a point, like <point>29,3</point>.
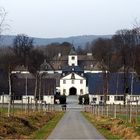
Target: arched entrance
<point>72,91</point>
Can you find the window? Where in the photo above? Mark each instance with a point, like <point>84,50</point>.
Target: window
<point>94,99</point>
<point>73,58</point>
<point>64,81</point>
<point>72,76</point>
<point>64,91</point>
<point>81,91</point>
<point>81,81</point>
<point>17,98</point>
<point>102,98</point>
<point>119,98</point>
<point>134,98</point>
<point>72,81</point>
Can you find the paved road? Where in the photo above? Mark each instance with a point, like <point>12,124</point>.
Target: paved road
<point>74,126</point>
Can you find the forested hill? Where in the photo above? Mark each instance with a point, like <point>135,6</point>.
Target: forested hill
<point>76,40</point>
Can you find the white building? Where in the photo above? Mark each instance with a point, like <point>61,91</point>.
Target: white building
<point>80,75</point>
<point>73,84</point>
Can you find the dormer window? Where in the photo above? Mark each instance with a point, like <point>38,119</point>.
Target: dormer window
<point>72,76</point>
<point>64,81</point>
<point>72,81</point>
<point>81,81</point>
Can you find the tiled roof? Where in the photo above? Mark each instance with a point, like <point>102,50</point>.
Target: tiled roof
<point>95,83</point>
<point>72,51</point>
<point>46,66</point>
<point>21,68</point>
<point>70,69</point>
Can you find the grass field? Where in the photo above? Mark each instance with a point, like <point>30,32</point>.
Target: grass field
<point>104,131</point>
<point>35,125</point>
<point>114,128</point>
<point>44,132</point>
<point>4,111</point>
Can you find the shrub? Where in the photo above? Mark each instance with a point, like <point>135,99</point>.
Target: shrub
<point>80,99</point>
<point>84,99</point>
<point>62,99</point>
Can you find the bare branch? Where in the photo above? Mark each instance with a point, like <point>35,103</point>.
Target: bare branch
<point>3,25</point>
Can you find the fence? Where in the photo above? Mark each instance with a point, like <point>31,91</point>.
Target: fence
<point>28,107</point>
<point>129,112</point>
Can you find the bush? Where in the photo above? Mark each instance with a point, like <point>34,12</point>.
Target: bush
<point>80,99</point>
<point>62,99</point>
<point>84,99</point>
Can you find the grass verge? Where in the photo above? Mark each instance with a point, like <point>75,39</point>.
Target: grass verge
<point>23,126</point>
<point>114,128</point>
<point>103,130</point>
<point>44,132</point>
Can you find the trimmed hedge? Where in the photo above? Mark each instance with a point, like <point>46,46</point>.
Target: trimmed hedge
<point>84,99</point>
<point>62,99</point>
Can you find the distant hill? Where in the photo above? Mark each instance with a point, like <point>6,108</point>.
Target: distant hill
<point>76,40</point>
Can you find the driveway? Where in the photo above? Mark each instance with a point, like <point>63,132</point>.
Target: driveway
<point>74,126</point>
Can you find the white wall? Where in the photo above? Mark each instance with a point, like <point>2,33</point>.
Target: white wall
<point>93,71</point>
<point>4,98</point>
<point>25,99</point>
<point>72,61</point>
<point>49,99</point>
<point>68,84</point>
<point>112,100</point>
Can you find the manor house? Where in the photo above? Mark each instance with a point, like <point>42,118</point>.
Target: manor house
<point>74,75</point>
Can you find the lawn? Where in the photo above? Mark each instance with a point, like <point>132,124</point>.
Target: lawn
<point>44,132</point>
<point>37,125</point>
<point>113,128</point>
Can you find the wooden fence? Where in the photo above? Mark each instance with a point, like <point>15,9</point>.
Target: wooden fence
<point>128,112</point>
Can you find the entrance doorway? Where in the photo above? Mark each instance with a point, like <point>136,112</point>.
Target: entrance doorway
<point>72,91</point>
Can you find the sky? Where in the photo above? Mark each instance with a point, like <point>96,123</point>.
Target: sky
<point>64,18</point>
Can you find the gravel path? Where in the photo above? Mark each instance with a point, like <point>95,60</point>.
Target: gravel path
<point>74,126</point>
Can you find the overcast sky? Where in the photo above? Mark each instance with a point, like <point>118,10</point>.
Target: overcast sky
<point>63,18</point>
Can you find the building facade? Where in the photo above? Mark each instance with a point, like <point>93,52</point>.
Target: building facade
<point>75,75</point>
<point>70,82</point>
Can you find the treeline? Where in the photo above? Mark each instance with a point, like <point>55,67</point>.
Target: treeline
<point>122,50</point>
<point>24,52</point>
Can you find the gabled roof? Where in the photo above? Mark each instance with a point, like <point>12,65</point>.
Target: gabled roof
<point>73,76</point>
<point>45,66</point>
<point>100,66</point>
<point>129,69</point>
<point>21,68</point>
<point>72,51</point>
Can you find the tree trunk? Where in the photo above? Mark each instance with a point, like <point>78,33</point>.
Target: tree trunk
<point>10,93</point>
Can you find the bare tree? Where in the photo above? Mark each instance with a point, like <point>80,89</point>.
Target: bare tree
<point>54,49</point>
<point>102,52</point>
<point>127,42</point>
<point>2,20</point>
<point>22,47</point>
<point>35,60</point>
